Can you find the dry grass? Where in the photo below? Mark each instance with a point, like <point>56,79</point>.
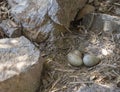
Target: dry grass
<point>4,10</point>
<point>59,76</point>
<point>4,14</point>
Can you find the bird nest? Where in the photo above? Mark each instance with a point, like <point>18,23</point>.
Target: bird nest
<point>59,76</point>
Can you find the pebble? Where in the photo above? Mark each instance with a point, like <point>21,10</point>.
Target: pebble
<point>90,1</point>
<point>117,11</point>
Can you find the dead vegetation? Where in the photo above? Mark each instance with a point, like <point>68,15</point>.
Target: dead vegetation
<point>59,76</point>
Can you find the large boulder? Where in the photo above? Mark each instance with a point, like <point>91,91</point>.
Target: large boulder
<point>20,65</point>
<point>104,22</point>
<point>40,17</point>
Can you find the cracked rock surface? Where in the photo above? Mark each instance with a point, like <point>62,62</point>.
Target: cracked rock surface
<point>40,17</point>
<point>20,65</point>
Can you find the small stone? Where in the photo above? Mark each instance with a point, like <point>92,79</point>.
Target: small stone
<point>90,60</point>
<point>109,1</point>
<point>74,58</point>
<point>96,2</point>
<point>93,77</point>
<point>117,11</point>
<point>90,1</point>
<point>107,26</point>
<point>10,28</point>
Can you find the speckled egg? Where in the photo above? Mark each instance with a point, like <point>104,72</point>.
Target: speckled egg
<point>74,58</point>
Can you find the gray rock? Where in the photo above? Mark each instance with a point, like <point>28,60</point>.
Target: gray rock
<point>10,28</point>
<point>99,88</point>
<point>117,11</point>
<point>64,11</point>
<point>40,17</point>
<point>20,65</point>
<point>90,1</point>
<point>103,22</point>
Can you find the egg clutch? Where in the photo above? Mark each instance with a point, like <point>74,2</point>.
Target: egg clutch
<point>75,59</point>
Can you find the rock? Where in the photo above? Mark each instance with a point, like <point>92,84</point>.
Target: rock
<point>64,11</point>
<point>10,28</point>
<point>20,65</point>
<point>98,88</point>
<point>74,58</point>
<point>96,2</point>
<point>40,17</point>
<point>90,60</point>
<point>90,1</point>
<point>102,22</point>
<point>117,11</point>
<point>110,1</point>
<point>93,78</point>
<point>86,10</point>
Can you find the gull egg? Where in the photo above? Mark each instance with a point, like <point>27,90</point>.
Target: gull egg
<point>74,58</point>
<point>90,60</point>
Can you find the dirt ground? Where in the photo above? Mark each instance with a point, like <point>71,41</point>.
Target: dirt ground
<point>59,76</point>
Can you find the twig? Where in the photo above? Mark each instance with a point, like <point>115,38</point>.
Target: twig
<point>56,90</point>
<point>113,66</point>
<point>81,82</point>
<point>67,29</point>
<point>110,8</point>
<point>117,4</point>
<point>64,70</point>
<point>54,84</point>
<point>115,72</point>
